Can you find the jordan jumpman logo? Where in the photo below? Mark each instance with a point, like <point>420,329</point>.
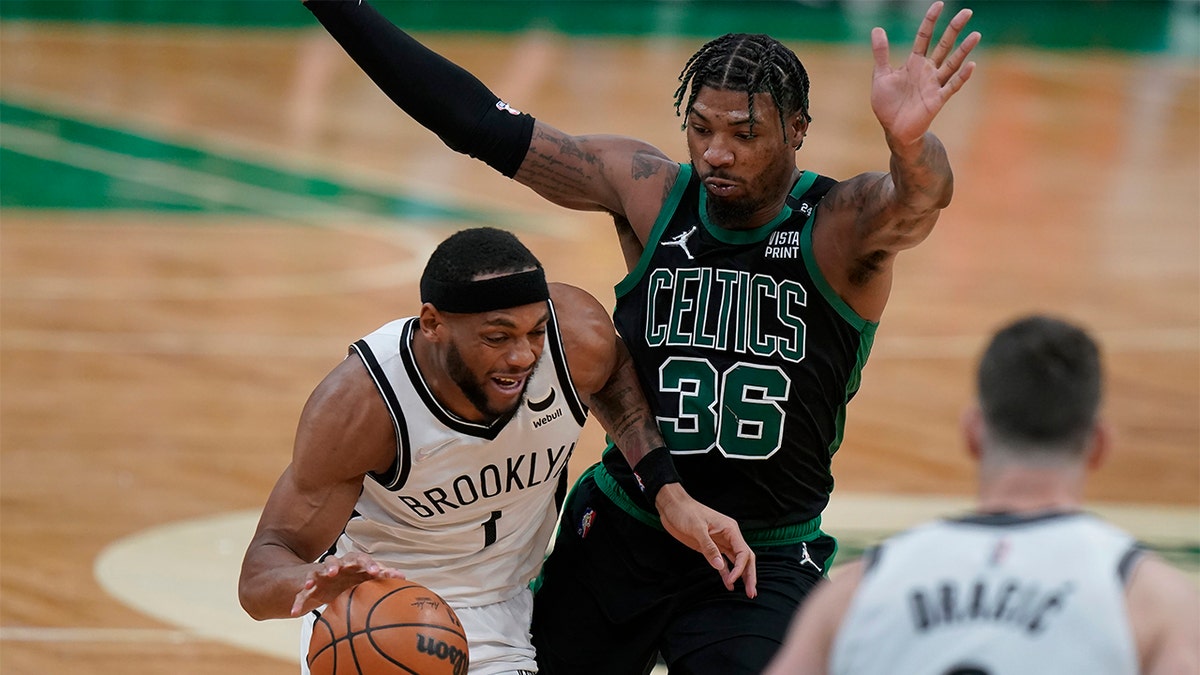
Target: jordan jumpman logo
<point>681,241</point>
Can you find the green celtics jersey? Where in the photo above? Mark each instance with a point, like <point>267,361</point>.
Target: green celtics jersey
<point>746,354</point>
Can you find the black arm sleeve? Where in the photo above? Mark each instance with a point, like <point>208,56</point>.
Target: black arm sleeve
<point>438,94</point>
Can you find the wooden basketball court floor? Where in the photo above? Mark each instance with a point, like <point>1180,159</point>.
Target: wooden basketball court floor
<point>225,211</point>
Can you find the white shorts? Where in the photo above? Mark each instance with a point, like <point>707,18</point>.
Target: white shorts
<point>497,636</point>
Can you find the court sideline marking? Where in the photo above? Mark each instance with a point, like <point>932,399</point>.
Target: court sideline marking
<point>185,573</point>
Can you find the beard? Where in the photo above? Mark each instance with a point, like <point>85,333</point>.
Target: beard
<point>736,213</point>
<point>475,389</point>
<point>730,213</point>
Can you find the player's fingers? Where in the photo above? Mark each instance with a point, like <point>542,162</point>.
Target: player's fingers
<point>750,578</point>
<point>301,598</point>
<point>879,47</point>
<point>960,78</point>
<point>360,562</point>
<point>738,551</point>
<point>925,31</point>
<point>955,61</point>
<point>709,549</point>
<point>950,36</point>
<point>738,569</point>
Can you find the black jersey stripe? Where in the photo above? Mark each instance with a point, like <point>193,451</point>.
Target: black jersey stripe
<point>396,474</point>
<point>1131,557</point>
<point>558,355</point>
<point>447,418</point>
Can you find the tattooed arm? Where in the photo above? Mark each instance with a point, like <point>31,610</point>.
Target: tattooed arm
<point>624,176</point>
<point>621,175</point>
<point>864,222</point>
<point>603,373</point>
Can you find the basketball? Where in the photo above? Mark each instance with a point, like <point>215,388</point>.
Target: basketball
<point>386,627</point>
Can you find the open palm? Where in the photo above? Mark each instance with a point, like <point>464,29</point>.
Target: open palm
<point>906,99</point>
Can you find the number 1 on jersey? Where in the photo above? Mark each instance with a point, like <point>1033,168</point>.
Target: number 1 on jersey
<point>489,529</point>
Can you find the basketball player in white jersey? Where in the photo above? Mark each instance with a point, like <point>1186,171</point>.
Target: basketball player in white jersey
<point>1029,583</point>
<point>435,452</point>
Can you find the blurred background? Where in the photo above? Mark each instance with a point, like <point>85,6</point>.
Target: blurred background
<point>202,204</point>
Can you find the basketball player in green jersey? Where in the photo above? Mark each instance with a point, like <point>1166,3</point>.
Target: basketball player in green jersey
<point>752,299</point>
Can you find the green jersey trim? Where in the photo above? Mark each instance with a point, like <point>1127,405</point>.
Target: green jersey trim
<point>806,181</point>
<point>866,328</point>
<point>660,225</point>
<point>810,260</point>
<point>759,233</point>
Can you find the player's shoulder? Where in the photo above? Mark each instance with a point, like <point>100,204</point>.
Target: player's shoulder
<point>851,193</point>
<point>581,318</point>
<point>568,299</point>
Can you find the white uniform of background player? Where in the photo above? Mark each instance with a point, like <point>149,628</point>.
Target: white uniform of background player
<point>979,598</point>
<point>467,509</point>
<point>1029,582</point>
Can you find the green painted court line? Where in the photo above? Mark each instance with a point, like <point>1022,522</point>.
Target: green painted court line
<point>49,160</point>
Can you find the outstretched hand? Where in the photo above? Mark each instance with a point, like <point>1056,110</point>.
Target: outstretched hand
<point>906,99</point>
<point>335,576</point>
<point>712,534</point>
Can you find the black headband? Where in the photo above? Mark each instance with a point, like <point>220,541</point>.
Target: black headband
<point>473,297</point>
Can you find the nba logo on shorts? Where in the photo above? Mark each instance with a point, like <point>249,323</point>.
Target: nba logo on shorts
<point>585,523</point>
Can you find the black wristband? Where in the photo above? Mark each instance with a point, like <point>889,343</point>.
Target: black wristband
<point>438,94</point>
<point>653,471</point>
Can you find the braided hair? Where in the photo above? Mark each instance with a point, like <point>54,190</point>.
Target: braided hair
<point>753,63</point>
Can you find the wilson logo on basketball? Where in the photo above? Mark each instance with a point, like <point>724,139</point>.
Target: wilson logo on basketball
<point>427,644</point>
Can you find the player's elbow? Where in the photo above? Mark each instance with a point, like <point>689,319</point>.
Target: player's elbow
<point>944,193</point>
<point>250,601</point>
<point>253,591</point>
<point>923,199</point>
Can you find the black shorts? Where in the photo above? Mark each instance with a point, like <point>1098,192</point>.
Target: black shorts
<point>616,592</point>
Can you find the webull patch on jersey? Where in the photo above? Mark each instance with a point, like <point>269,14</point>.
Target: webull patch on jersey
<point>546,419</point>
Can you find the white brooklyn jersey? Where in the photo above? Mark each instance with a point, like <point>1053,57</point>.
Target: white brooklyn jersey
<point>993,595</point>
<point>466,509</point>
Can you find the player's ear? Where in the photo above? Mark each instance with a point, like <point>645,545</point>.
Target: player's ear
<point>971,423</point>
<point>430,319</point>
<point>797,130</point>
<point>1100,445</point>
